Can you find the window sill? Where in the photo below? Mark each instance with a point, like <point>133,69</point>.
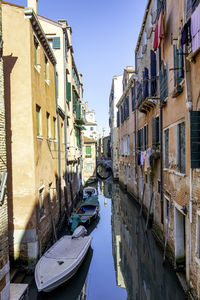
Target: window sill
<point>175,172</point>
<point>39,137</point>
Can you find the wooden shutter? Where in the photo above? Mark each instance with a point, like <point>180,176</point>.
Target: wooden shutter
<point>56,42</point>
<point>195,138</point>
<point>181,147</point>
<point>68,91</point>
<point>153,131</point>
<point>166,141</point>
<point>88,150</point>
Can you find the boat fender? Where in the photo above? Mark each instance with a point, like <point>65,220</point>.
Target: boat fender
<point>79,231</point>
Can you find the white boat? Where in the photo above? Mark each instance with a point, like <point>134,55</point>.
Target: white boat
<point>89,191</point>
<point>62,260</point>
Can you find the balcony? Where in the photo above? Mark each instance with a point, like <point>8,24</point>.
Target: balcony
<point>147,95</point>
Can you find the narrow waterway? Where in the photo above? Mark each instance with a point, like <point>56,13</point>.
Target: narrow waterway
<point>124,261</point>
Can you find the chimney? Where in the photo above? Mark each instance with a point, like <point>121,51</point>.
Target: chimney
<point>33,4</point>
<point>86,106</point>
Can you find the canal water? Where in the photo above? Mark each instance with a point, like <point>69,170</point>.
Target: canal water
<point>124,261</point>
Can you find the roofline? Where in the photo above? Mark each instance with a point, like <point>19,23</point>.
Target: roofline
<point>12,4</point>
<point>143,24</point>
<point>30,14</point>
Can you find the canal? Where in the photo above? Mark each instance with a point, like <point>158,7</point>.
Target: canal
<point>124,261</point>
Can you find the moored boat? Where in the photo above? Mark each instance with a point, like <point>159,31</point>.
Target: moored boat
<point>89,191</point>
<point>62,260</point>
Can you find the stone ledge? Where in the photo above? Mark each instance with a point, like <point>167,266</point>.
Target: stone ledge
<point>18,291</point>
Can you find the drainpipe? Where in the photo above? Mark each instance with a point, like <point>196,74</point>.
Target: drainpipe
<point>59,156</point>
<point>161,146</point>
<point>136,168</point>
<point>65,101</point>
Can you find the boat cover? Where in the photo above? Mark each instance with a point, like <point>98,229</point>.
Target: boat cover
<point>93,201</point>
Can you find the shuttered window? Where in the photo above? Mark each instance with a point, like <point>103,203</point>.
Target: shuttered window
<point>68,91</point>
<point>56,42</point>
<point>155,133</point>
<point>38,120</point>
<point>181,147</point>
<point>122,114</point>
<point>166,149</point>
<point>163,82</point>
<point>195,138</point>
<point>178,65</point>
<point>118,120</point>
<point>153,74</point>
<point>88,150</point>
<point>141,139</point>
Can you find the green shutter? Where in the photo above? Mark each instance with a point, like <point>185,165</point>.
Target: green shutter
<point>68,91</point>
<point>88,150</point>
<point>195,138</point>
<point>175,65</point>
<point>56,42</point>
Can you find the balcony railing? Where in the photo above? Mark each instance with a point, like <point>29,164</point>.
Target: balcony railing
<point>147,95</point>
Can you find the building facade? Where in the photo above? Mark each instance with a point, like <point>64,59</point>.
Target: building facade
<point>89,160</point>
<point>4,248</point>
<point>90,124</point>
<point>35,199</point>
<point>70,98</point>
<point>165,173</point>
<point>115,94</point>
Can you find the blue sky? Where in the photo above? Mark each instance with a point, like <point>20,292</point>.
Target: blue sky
<point>104,36</point>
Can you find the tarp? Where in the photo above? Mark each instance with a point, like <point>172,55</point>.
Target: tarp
<point>74,220</point>
<point>93,201</point>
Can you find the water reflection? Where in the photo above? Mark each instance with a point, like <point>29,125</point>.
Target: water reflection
<point>125,262</point>
<point>138,256</point>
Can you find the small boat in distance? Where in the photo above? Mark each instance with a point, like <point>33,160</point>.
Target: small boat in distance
<point>62,260</point>
<point>89,191</point>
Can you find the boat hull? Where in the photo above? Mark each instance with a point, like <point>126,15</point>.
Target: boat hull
<point>44,277</point>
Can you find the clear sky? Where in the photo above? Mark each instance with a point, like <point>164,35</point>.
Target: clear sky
<point>104,36</point>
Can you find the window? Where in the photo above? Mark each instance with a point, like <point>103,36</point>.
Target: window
<point>178,69</point>
<point>118,119</point>
<point>48,125</point>
<point>166,149</point>
<point>145,38</point>
<point>181,147</point>
<point>155,134</point>
<point>88,167</point>
<point>56,42</point>
<point>167,209</point>
<point>62,133</point>
<point>129,172</point>
<point>158,186</point>
<point>54,128</point>
<point>41,201</point>
<point>163,82</point>
<point>91,128</point>
<point>38,120</point>
<point>88,150</point>
<point>46,70</point>
<point>36,52</point>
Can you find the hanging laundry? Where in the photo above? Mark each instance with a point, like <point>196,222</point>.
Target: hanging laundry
<point>155,43</point>
<point>148,157</point>
<point>161,34</point>
<point>142,158</point>
<point>186,34</point>
<point>195,29</point>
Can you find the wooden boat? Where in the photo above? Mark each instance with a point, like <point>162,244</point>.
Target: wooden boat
<point>62,260</point>
<point>89,191</point>
<point>85,212</point>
